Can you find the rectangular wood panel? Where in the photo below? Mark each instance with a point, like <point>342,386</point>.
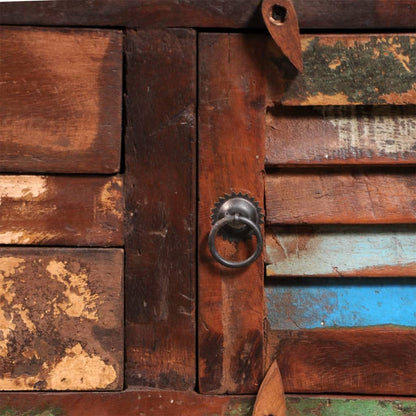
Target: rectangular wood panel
<point>231,155</point>
<point>60,100</point>
<point>346,70</point>
<point>61,210</point>
<point>160,205</point>
<point>341,197</point>
<point>304,303</point>
<point>312,14</point>
<point>344,135</point>
<point>174,403</point>
<point>341,251</point>
<point>61,319</point>
<point>379,360</point>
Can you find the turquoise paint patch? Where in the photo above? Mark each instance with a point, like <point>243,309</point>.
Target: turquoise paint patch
<point>343,249</point>
<point>303,303</point>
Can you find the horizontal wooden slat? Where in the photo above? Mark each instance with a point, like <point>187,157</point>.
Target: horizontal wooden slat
<point>326,135</point>
<point>345,70</point>
<point>341,197</point>
<point>61,319</point>
<point>61,210</point>
<point>173,403</point>
<point>326,303</point>
<point>60,100</point>
<point>358,361</point>
<point>312,14</point>
<point>341,251</point>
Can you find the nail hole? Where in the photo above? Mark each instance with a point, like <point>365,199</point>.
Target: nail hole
<point>278,14</point>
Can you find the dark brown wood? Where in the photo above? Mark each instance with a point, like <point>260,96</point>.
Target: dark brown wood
<point>160,206</point>
<point>61,319</point>
<point>329,135</point>
<point>341,197</point>
<point>231,154</point>
<point>312,14</point>
<point>173,403</point>
<point>60,100</point>
<point>346,70</point>
<point>281,21</point>
<point>61,210</point>
<point>358,361</point>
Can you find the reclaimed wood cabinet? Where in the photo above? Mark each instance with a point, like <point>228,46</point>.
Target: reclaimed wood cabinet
<point>122,124</point>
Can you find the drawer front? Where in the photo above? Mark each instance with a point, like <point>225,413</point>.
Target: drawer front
<point>60,100</point>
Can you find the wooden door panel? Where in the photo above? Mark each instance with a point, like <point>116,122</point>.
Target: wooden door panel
<point>60,100</point>
<point>61,210</point>
<point>340,135</point>
<point>231,121</point>
<point>160,206</point>
<point>61,318</point>
<point>346,70</point>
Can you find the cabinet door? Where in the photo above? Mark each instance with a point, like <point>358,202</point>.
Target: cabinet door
<point>331,154</point>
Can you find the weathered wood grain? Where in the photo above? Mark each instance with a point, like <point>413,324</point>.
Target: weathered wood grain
<point>61,319</point>
<point>341,251</point>
<point>271,396</point>
<point>346,70</point>
<point>61,210</point>
<point>60,100</point>
<point>341,197</point>
<point>312,14</point>
<point>173,403</point>
<point>232,93</point>
<point>343,135</point>
<point>357,361</point>
<point>304,303</point>
<point>160,206</point>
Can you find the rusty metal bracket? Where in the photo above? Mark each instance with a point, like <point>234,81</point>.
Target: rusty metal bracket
<point>282,23</point>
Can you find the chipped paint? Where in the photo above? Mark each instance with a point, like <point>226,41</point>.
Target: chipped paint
<point>79,302</point>
<point>340,250</point>
<point>8,267</point>
<point>23,187</point>
<point>391,134</point>
<point>354,69</point>
<point>111,197</point>
<point>326,303</point>
<point>79,370</point>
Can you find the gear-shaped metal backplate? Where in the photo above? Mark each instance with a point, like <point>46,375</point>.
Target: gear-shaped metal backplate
<point>243,205</point>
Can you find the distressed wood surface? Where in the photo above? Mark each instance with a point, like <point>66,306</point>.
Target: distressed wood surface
<point>341,197</point>
<point>160,206</point>
<point>61,210</point>
<point>304,303</point>
<point>379,360</point>
<point>312,14</point>
<point>346,70</point>
<point>173,403</point>
<point>61,319</point>
<point>341,251</point>
<point>231,105</point>
<point>60,100</point>
<point>344,135</point>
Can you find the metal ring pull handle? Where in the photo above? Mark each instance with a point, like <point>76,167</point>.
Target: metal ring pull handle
<point>233,220</point>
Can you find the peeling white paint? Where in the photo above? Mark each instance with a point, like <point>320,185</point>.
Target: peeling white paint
<point>23,187</point>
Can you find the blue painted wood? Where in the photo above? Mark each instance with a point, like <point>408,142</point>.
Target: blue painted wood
<point>351,250</point>
<point>321,303</point>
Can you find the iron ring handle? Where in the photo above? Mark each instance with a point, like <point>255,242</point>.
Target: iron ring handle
<point>227,220</point>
